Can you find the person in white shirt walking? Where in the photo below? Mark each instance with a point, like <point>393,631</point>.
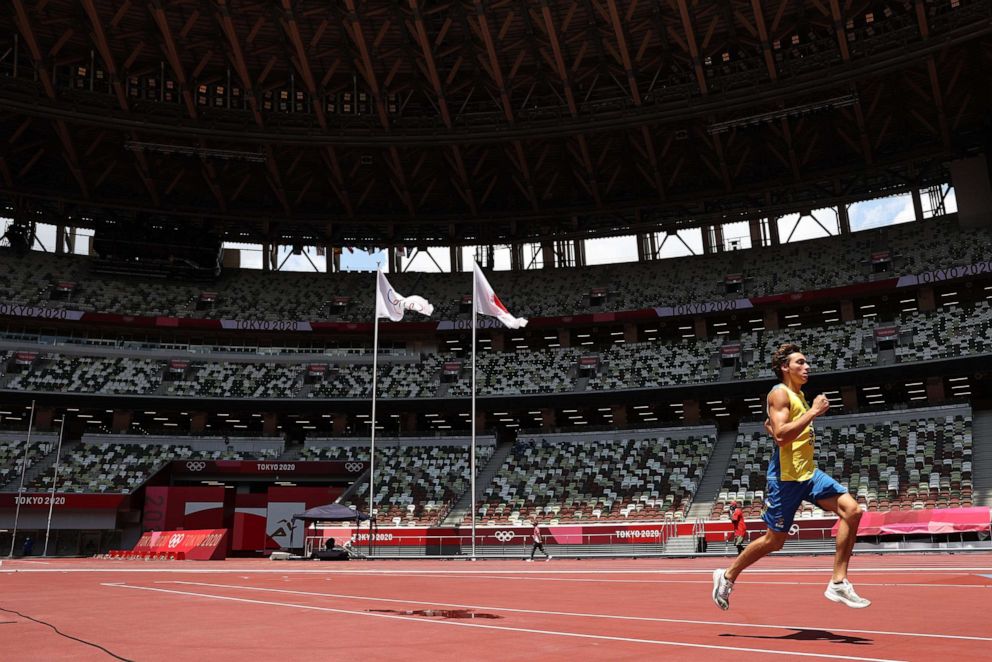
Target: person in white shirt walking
<point>538,542</point>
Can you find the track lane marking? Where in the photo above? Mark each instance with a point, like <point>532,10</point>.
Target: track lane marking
<point>504,628</point>
<point>653,619</point>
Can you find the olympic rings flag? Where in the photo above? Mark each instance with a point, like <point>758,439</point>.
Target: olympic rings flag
<point>390,303</point>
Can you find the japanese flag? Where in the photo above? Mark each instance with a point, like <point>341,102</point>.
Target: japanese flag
<point>489,304</point>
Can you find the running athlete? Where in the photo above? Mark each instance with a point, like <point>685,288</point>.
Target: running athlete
<point>794,478</point>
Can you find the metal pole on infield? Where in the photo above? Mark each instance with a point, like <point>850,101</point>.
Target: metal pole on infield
<point>55,479</point>
<point>471,466</point>
<point>375,378</point>
<point>20,487</point>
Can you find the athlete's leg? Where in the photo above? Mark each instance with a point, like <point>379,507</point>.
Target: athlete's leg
<point>847,531</point>
<point>772,541</point>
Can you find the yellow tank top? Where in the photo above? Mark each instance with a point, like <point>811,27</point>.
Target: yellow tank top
<point>794,461</point>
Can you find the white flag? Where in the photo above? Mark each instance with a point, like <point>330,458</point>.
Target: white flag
<point>389,303</point>
<point>489,304</point>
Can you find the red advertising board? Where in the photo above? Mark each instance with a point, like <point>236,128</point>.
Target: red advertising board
<point>196,545</point>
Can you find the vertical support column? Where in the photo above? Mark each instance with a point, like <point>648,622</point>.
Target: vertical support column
<point>917,203</point>
<point>121,421</point>
<point>565,337</point>
<point>849,396</point>
<point>270,424</point>
<point>719,244</point>
<point>846,310</point>
<point>549,420</point>
<point>548,254</point>
<point>517,257</point>
<point>771,320</point>
<point>498,341</point>
<point>197,422</point>
<point>630,332</point>
<point>690,411</point>
<point>409,421</point>
<point>480,422</point>
<point>773,238</point>
<point>926,300</point>
<point>843,218</point>
<point>43,417</point>
<point>60,241</point>
<point>339,424</point>
<point>642,253</point>
<point>619,416</point>
<point>699,326</point>
<point>754,226</point>
<point>935,390</point>
<point>579,248</point>
<point>266,256</point>
<point>455,257</point>
<point>707,239</point>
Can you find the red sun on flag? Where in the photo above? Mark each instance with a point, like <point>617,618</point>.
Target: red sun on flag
<point>499,304</point>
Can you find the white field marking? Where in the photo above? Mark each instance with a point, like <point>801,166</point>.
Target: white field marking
<point>652,619</point>
<point>698,581</point>
<point>504,628</point>
<point>685,571</point>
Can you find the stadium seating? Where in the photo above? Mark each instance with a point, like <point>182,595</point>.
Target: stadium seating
<point>416,485</point>
<point>122,467</point>
<point>944,333</point>
<point>251,294</point>
<point>910,461</point>
<point>645,476</point>
<point>12,452</point>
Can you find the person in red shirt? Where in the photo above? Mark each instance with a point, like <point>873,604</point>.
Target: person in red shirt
<point>538,542</point>
<point>740,528</point>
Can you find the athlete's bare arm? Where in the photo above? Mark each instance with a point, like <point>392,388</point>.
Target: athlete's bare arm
<point>778,425</point>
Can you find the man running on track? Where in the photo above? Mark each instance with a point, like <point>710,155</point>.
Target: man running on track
<point>794,478</point>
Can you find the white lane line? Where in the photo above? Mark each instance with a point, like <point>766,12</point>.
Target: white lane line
<point>683,571</point>
<point>700,581</point>
<point>653,619</point>
<point>504,628</point>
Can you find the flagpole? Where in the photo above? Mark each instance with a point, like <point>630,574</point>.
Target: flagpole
<point>55,478</point>
<point>20,488</point>
<point>472,452</point>
<point>375,374</point>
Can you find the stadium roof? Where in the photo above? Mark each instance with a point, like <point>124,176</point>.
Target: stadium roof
<point>478,121</point>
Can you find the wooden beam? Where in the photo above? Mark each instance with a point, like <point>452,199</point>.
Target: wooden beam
<point>426,49</point>
<point>628,67</point>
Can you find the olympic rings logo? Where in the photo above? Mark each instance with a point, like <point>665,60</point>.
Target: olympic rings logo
<point>353,467</point>
<point>196,466</point>
<point>505,536</point>
<point>176,539</point>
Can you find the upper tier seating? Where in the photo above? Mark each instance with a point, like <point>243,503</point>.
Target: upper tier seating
<point>251,294</point>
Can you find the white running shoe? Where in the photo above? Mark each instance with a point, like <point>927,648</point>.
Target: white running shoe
<point>721,589</point>
<point>529,560</point>
<point>548,558</point>
<point>844,593</point>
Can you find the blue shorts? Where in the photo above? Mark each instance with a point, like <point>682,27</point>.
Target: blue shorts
<point>783,498</point>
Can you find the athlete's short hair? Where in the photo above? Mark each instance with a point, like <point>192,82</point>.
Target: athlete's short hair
<point>780,358</point>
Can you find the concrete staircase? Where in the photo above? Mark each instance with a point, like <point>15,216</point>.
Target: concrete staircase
<point>981,460</point>
<point>680,545</point>
<point>460,511</point>
<point>709,486</point>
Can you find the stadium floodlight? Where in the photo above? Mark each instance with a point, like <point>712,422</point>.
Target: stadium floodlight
<point>782,113</point>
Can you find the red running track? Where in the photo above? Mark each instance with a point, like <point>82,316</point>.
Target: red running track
<point>926,607</point>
